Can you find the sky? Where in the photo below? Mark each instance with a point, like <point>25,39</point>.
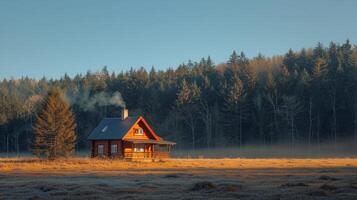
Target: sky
<point>50,38</point>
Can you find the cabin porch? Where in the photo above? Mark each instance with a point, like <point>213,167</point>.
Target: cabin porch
<point>152,149</point>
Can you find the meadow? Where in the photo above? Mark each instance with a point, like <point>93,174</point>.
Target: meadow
<point>224,178</point>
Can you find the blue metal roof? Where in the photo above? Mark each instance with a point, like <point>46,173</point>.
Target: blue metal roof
<point>112,128</point>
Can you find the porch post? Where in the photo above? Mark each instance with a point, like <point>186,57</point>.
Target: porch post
<point>122,147</point>
<point>109,148</point>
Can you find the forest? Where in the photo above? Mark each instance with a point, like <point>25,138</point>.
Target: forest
<point>307,96</point>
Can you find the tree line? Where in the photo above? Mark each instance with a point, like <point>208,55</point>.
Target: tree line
<point>307,96</point>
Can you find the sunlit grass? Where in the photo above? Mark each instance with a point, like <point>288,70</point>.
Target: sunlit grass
<point>87,165</point>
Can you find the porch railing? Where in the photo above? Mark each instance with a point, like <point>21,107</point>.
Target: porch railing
<point>146,154</point>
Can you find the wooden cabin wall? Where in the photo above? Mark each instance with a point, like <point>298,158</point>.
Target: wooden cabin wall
<point>131,133</point>
<point>98,142</point>
<point>120,147</point>
<point>107,145</point>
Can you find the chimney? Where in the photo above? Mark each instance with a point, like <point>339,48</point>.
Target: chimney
<point>124,113</point>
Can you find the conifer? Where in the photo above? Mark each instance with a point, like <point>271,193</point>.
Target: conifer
<point>54,131</point>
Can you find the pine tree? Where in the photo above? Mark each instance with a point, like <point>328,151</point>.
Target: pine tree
<point>54,130</point>
<point>290,61</point>
<point>233,60</point>
<point>248,76</point>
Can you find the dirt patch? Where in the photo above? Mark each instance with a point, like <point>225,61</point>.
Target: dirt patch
<point>72,187</point>
<point>84,193</point>
<point>318,193</point>
<point>35,197</point>
<point>172,176</point>
<point>294,185</point>
<point>46,188</point>
<point>59,194</point>
<point>204,185</point>
<point>328,178</point>
<point>328,187</point>
<point>180,175</point>
<point>229,187</point>
<point>353,186</point>
<point>117,191</point>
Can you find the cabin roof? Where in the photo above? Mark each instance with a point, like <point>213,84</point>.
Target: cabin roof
<point>112,128</point>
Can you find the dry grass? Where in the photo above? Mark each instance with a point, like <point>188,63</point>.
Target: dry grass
<point>87,165</point>
<point>85,178</point>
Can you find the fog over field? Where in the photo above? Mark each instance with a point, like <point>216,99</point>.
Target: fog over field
<point>342,149</point>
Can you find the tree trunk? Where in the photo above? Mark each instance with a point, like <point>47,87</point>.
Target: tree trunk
<point>355,116</point>
<point>192,124</point>
<point>27,131</point>
<point>240,127</point>
<point>276,115</point>
<point>318,129</point>
<point>209,129</point>
<point>17,145</point>
<point>7,144</point>
<point>310,121</point>
<point>206,116</point>
<point>193,137</point>
<point>292,132</point>
<point>6,139</point>
<point>176,127</point>
<point>334,117</point>
<point>261,129</point>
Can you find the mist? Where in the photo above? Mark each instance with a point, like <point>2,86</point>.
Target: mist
<point>342,149</point>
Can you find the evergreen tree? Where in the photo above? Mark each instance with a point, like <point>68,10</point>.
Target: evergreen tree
<point>290,61</point>
<point>240,99</point>
<point>54,130</point>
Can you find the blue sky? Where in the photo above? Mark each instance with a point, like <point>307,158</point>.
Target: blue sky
<point>49,38</point>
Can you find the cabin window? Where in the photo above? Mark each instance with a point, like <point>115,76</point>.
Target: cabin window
<point>100,149</point>
<point>114,148</point>
<point>104,129</point>
<point>139,131</point>
<point>138,148</point>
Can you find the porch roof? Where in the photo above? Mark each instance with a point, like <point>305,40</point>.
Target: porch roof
<point>144,141</point>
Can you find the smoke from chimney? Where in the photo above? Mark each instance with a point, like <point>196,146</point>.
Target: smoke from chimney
<point>88,103</point>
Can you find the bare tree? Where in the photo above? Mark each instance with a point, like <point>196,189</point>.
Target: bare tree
<point>187,100</point>
<point>291,108</point>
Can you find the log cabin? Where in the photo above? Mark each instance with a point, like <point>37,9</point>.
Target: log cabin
<point>128,137</point>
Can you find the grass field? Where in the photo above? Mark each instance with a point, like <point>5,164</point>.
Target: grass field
<point>85,178</point>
